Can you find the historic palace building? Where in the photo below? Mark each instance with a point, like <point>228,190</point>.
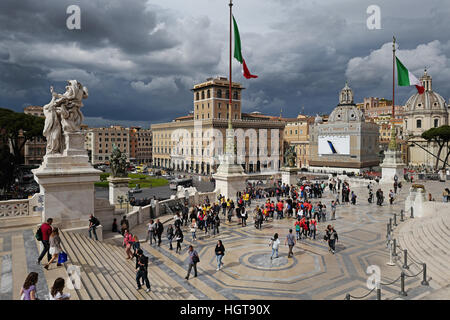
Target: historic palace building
<point>194,143</point>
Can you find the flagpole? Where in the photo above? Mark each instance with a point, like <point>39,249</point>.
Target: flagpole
<point>393,142</point>
<point>230,77</point>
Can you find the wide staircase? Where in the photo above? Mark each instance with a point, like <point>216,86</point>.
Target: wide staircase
<point>106,274</point>
<point>427,240</point>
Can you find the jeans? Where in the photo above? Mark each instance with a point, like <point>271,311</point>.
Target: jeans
<point>298,234</point>
<point>151,236</point>
<point>219,260</point>
<point>190,268</point>
<point>312,234</point>
<point>273,252</point>
<point>291,246</point>
<point>194,236</point>
<point>93,230</point>
<point>332,243</point>
<point>46,244</point>
<point>142,274</point>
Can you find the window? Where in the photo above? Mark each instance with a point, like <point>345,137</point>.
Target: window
<point>235,106</point>
<point>203,106</point>
<point>208,95</point>
<point>419,123</point>
<point>436,123</point>
<point>227,94</point>
<point>203,95</point>
<point>235,116</point>
<point>208,115</point>
<point>197,96</point>
<point>219,94</point>
<point>235,95</point>
<point>219,115</point>
<point>219,105</point>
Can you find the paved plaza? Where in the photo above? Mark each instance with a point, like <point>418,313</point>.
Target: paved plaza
<point>248,272</point>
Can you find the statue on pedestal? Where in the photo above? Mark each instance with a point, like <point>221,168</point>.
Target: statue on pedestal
<point>289,157</point>
<point>118,163</point>
<point>62,114</point>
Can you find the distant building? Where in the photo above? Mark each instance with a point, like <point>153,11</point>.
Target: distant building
<point>296,133</point>
<point>346,142</point>
<point>140,145</point>
<point>188,142</point>
<point>34,149</point>
<point>100,142</point>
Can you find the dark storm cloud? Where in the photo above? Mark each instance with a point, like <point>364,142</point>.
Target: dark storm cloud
<point>140,59</point>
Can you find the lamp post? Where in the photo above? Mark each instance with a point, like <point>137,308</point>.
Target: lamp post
<point>120,199</point>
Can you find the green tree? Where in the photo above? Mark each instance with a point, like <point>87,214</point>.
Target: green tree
<point>18,128</point>
<point>6,168</point>
<point>441,136</point>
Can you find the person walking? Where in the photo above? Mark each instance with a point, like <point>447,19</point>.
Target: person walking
<point>333,210</point>
<point>142,270</point>
<point>312,228</point>
<point>220,252</point>
<point>193,229</point>
<point>216,223</point>
<point>55,247</point>
<point>290,241</point>
<point>127,243</point>
<point>193,260</point>
<point>56,292</point>
<point>297,228</point>
<point>93,224</point>
<point>170,235</point>
<point>391,197</point>
<point>178,238</point>
<point>28,290</point>
<point>275,243</point>
<point>124,225</point>
<point>45,232</point>
<point>159,229</point>
<point>332,237</point>
<point>150,232</point>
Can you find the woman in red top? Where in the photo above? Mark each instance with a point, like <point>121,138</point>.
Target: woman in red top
<point>128,242</point>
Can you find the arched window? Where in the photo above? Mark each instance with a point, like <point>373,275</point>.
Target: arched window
<point>208,95</point>
<point>235,95</point>
<point>436,123</point>
<point>227,94</point>
<point>198,96</point>
<point>418,123</point>
<point>203,95</point>
<point>219,93</point>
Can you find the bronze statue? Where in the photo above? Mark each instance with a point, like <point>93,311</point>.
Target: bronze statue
<point>290,157</point>
<point>118,163</point>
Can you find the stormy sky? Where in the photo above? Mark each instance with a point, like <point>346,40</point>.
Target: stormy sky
<point>139,59</point>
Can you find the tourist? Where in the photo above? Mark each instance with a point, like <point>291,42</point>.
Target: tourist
<point>332,237</point>
<point>128,243</point>
<point>220,252</point>
<point>114,226</point>
<point>297,228</point>
<point>290,241</point>
<point>170,235</point>
<point>124,225</point>
<point>142,270</point>
<point>55,247</point>
<point>353,197</point>
<point>275,243</point>
<point>28,290</point>
<point>193,260</point>
<point>312,228</point>
<point>193,229</point>
<point>56,292</point>
<point>136,244</point>
<point>446,195</point>
<point>159,229</point>
<point>391,197</point>
<point>333,210</point>
<point>244,217</point>
<point>216,223</point>
<point>178,238</point>
<point>45,231</point>
<point>380,197</point>
<point>93,224</point>
<point>151,226</point>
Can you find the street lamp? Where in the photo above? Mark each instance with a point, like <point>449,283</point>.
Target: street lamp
<point>120,199</point>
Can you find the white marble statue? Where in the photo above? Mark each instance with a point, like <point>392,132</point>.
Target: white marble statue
<point>62,114</point>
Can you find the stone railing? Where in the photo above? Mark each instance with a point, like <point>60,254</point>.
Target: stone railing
<point>19,208</point>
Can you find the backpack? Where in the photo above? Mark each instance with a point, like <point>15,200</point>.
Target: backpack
<point>297,227</point>
<point>96,222</point>
<point>39,234</point>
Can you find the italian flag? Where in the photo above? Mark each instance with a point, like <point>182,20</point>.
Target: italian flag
<point>406,78</point>
<point>238,53</point>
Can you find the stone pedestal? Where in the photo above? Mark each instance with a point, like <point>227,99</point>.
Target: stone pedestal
<point>67,183</point>
<point>289,175</point>
<point>392,165</point>
<point>118,187</point>
<point>230,177</point>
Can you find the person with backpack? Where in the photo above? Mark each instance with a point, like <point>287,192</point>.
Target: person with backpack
<point>142,270</point>
<point>43,235</point>
<point>93,224</point>
<point>297,228</point>
<point>332,237</point>
<point>290,241</point>
<point>275,243</point>
<point>193,260</point>
<point>178,238</point>
<point>170,235</point>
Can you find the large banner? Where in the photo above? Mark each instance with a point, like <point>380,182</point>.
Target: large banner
<point>334,145</point>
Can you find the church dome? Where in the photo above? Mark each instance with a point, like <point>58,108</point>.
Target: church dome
<point>346,110</point>
<point>428,101</point>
